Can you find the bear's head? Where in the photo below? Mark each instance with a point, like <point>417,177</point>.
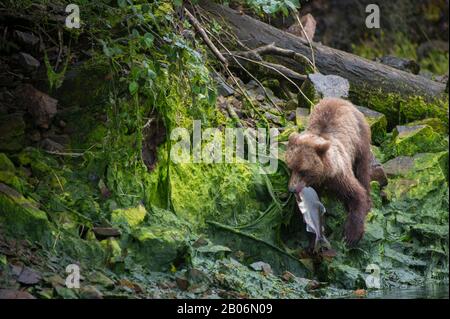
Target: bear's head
<point>304,157</point>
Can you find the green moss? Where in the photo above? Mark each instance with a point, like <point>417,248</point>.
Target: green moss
<point>22,217</point>
<point>409,140</point>
<point>438,125</point>
<point>158,242</point>
<point>428,175</point>
<point>377,122</point>
<point>130,216</point>
<point>401,110</point>
<point>5,163</point>
<point>12,132</point>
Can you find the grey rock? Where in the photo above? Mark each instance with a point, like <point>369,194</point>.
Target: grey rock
<point>28,62</point>
<point>26,38</point>
<point>38,104</point>
<point>330,85</point>
<point>398,166</point>
<point>51,146</point>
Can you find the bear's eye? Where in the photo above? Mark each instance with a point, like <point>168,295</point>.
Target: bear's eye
<point>303,173</point>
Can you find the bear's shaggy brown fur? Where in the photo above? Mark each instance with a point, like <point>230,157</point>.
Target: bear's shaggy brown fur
<point>334,151</point>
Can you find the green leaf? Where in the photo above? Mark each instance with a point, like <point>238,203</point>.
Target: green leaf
<point>133,87</point>
<point>148,39</point>
<point>122,3</point>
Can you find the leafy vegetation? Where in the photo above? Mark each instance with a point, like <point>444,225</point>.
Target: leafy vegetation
<point>192,228</point>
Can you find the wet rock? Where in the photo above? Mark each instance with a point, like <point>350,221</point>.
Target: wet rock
<point>62,139</point>
<point>318,86</point>
<point>182,282</point>
<point>377,122</point>
<point>291,116</point>
<point>403,64</point>
<point>101,279</point>
<point>26,38</point>
<point>105,232</point>
<point>261,266</point>
<point>15,294</point>
<point>51,146</point>
<point>223,88</point>
<point>273,118</point>
<point>411,139</point>
<point>90,292</point>
<point>12,132</point>
<point>28,62</point>
<point>377,172</point>
<point>27,276</point>
<point>39,105</point>
<point>288,276</point>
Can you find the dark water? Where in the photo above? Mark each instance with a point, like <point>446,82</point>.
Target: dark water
<point>426,292</point>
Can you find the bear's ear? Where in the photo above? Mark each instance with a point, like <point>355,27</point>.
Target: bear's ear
<point>322,147</point>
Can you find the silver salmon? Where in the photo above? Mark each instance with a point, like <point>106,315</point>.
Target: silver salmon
<point>313,214</point>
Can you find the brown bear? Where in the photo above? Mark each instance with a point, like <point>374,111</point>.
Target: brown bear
<point>334,151</point>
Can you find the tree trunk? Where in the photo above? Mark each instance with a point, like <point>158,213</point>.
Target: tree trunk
<point>365,76</point>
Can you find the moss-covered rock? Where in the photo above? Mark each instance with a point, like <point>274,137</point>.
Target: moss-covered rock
<point>22,217</point>
<point>5,163</point>
<point>12,132</point>
<point>400,110</point>
<point>129,216</point>
<point>377,122</point>
<point>421,175</point>
<point>158,243</point>
<point>409,140</point>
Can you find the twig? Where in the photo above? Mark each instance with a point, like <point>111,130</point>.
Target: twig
<point>309,42</point>
<point>251,75</point>
<point>205,37</point>
<point>287,78</point>
<point>274,50</point>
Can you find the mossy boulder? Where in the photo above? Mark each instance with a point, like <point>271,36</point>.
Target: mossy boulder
<point>22,217</point>
<point>84,85</point>
<point>5,163</point>
<point>158,242</point>
<point>400,110</point>
<point>12,132</point>
<point>409,140</point>
<point>417,176</point>
<point>130,216</point>
<point>438,125</point>
<point>377,122</point>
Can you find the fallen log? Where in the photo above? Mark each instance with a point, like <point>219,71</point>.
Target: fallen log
<point>365,76</point>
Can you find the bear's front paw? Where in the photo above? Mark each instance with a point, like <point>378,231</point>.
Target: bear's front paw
<point>353,230</point>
